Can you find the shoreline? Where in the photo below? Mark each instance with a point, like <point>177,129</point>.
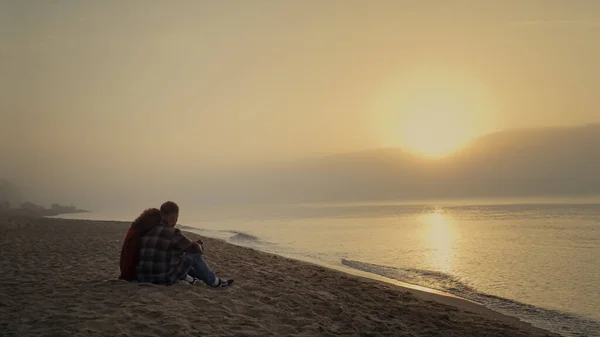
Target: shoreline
<point>76,293</point>
<point>421,292</point>
<point>546,317</point>
<point>555,321</point>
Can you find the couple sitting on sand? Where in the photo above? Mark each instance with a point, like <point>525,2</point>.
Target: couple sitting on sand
<point>155,251</point>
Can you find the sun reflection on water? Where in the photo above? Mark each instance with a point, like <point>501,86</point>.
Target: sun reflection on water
<point>439,236</point>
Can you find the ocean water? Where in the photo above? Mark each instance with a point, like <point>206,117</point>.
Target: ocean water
<point>536,261</point>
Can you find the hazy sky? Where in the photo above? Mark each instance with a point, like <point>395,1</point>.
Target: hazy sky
<point>125,90</point>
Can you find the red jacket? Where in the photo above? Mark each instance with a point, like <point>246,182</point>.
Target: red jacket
<point>130,255</point>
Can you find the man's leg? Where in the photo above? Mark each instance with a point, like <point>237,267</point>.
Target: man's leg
<point>200,269</point>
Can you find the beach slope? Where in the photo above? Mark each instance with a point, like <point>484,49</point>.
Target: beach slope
<point>58,278</point>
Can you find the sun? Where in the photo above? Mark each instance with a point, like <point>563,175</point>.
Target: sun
<point>432,113</point>
<point>435,126</point>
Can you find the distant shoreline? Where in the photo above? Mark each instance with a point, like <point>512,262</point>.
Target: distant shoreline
<point>38,213</point>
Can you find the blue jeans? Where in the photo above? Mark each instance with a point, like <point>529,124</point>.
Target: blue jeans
<point>199,269</point>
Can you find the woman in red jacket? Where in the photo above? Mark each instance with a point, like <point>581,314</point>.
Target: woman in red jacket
<point>130,253</point>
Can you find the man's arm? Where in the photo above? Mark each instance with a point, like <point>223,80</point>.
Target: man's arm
<point>184,244</point>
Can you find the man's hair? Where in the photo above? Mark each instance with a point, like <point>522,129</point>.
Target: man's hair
<point>169,208</point>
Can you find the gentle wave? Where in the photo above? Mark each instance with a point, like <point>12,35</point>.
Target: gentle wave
<point>553,320</point>
<point>228,235</point>
<point>241,236</point>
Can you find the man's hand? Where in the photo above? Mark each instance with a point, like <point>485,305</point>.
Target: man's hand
<point>195,247</point>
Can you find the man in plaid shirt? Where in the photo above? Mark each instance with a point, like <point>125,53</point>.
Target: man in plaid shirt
<point>167,256</point>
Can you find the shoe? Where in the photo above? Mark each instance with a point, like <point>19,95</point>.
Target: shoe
<point>223,283</point>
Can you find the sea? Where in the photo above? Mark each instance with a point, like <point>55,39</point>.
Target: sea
<point>536,259</point>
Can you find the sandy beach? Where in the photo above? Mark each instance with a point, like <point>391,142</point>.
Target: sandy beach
<point>58,278</point>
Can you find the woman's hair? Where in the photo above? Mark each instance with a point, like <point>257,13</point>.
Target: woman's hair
<point>147,220</point>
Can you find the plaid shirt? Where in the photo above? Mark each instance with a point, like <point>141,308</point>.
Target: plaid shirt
<point>160,256</point>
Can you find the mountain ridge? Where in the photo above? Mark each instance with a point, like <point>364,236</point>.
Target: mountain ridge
<point>521,162</point>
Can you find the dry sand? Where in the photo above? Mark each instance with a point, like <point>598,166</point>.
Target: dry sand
<point>57,279</point>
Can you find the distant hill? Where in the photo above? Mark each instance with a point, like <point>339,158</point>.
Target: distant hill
<point>532,161</point>
<point>527,162</point>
